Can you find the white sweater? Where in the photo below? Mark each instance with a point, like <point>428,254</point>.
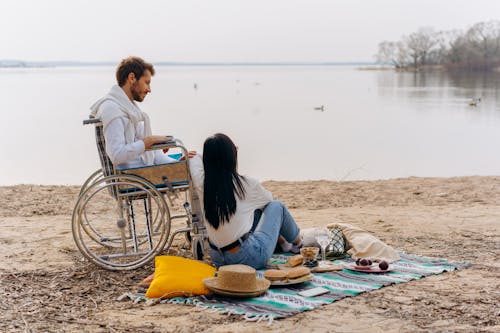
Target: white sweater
<point>128,155</point>
<point>125,125</point>
<point>256,197</point>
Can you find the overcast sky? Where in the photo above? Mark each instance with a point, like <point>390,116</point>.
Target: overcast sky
<point>222,30</point>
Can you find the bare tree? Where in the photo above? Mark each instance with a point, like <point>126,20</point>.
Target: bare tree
<point>403,55</point>
<point>388,54</point>
<point>411,45</point>
<point>484,37</point>
<point>451,45</point>
<point>419,45</point>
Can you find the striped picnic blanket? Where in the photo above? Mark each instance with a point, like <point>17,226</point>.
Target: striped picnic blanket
<point>284,302</point>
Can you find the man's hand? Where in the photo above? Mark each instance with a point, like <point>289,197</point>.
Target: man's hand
<point>191,154</point>
<point>153,139</point>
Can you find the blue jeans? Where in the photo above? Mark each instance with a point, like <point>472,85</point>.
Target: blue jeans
<point>258,248</point>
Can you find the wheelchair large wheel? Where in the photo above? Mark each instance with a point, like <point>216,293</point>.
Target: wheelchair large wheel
<point>96,233</point>
<point>120,222</point>
<point>92,179</point>
<point>97,175</point>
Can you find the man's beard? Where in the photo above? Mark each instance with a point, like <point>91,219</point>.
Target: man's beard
<point>135,93</point>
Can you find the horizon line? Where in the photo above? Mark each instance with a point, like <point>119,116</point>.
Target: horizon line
<point>37,63</point>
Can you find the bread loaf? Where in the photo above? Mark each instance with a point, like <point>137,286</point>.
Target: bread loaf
<point>295,260</point>
<point>297,272</point>
<point>275,275</point>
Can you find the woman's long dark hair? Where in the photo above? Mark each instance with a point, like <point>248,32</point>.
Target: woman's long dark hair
<point>222,180</point>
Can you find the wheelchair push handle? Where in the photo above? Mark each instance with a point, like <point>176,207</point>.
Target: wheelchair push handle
<point>91,121</point>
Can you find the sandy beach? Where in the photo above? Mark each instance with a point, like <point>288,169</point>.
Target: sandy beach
<point>45,285</point>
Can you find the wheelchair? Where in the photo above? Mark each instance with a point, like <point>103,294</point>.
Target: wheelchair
<point>123,218</point>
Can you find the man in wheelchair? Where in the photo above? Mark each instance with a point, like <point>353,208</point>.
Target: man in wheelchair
<point>127,129</point>
<point>123,216</point>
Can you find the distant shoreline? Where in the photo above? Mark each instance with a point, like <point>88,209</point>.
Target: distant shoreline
<point>363,66</point>
<point>52,64</point>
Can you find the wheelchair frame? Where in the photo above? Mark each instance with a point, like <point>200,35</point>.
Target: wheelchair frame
<point>134,238</point>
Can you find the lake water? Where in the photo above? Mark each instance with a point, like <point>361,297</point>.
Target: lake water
<point>375,124</point>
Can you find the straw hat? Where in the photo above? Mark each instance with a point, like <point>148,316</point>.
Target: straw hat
<point>237,280</point>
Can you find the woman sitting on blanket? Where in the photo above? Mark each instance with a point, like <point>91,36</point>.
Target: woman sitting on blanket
<point>244,222</point>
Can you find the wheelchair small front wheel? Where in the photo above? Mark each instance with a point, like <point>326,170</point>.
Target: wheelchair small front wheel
<point>198,248</point>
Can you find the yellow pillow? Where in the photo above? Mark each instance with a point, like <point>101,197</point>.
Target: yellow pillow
<point>178,276</point>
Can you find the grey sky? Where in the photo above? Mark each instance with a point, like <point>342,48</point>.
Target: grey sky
<point>222,30</point>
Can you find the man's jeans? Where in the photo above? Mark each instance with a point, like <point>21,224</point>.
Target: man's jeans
<point>260,245</point>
